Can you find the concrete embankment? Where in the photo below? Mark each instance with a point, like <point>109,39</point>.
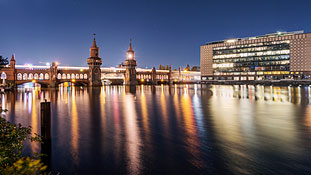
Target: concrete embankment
<point>259,82</point>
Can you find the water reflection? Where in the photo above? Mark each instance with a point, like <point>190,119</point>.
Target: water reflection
<point>179,129</point>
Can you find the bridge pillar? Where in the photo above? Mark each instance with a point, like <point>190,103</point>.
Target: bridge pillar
<point>53,75</point>
<point>170,75</point>
<point>94,63</point>
<point>130,65</point>
<point>153,76</point>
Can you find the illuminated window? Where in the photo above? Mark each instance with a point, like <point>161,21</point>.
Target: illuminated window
<point>59,76</point>
<point>46,76</point>
<point>3,75</point>
<point>41,76</point>
<point>30,76</point>
<point>36,76</point>
<point>24,76</point>
<point>19,76</point>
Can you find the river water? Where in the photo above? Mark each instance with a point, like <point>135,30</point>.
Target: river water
<point>179,129</point>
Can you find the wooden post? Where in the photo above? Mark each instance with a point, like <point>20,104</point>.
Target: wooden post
<point>46,119</point>
<point>46,146</point>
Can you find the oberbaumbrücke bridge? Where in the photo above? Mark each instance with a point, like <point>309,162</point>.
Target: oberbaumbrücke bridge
<point>94,74</point>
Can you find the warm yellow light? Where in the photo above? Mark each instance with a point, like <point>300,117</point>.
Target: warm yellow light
<point>130,55</point>
<point>81,70</point>
<point>33,81</point>
<point>162,80</point>
<point>142,80</point>
<point>73,80</point>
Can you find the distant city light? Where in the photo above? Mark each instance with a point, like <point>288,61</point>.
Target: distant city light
<point>231,40</point>
<point>47,64</point>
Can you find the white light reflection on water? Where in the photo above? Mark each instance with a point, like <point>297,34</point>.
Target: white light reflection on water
<point>133,139</point>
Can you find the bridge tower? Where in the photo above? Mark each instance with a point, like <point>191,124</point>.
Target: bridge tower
<point>130,65</point>
<point>12,62</point>
<point>94,63</point>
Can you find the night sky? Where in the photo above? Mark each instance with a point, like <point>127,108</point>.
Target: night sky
<point>163,31</point>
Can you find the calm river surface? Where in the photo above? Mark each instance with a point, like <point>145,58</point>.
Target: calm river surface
<point>182,129</point>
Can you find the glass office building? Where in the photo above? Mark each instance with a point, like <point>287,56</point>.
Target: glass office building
<point>282,55</point>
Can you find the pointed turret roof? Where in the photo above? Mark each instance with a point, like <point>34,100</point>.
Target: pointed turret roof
<point>94,42</point>
<point>13,57</point>
<point>130,48</point>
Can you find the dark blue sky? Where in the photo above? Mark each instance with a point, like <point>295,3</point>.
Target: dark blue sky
<point>164,31</point>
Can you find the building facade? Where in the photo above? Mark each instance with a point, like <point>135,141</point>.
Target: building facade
<point>282,55</point>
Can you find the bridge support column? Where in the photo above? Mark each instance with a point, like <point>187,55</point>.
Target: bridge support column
<point>170,75</point>
<point>153,76</point>
<point>53,75</point>
<point>52,84</point>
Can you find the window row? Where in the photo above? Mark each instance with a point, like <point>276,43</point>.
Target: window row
<point>71,76</point>
<point>253,68</point>
<point>46,76</point>
<point>249,59</point>
<point>278,52</point>
<point>251,45</point>
<point>32,76</point>
<point>252,49</point>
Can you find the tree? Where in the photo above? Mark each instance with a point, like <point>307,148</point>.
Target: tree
<point>195,68</point>
<point>12,161</point>
<point>187,68</point>
<point>3,61</point>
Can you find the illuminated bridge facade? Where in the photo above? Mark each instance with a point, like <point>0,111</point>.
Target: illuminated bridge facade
<point>94,74</point>
<point>52,76</point>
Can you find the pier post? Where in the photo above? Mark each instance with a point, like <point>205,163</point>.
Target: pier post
<point>46,147</point>
<point>46,119</point>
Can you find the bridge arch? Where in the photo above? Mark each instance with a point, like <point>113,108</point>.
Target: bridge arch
<point>19,76</point>
<point>3,75</point>
<point>36,76</point>
<point>77,76</point>
<point>59,76</point>
<point>41,76</point>
<point>30,76</point>
<point>47,76</point>
<point>24,76</point>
